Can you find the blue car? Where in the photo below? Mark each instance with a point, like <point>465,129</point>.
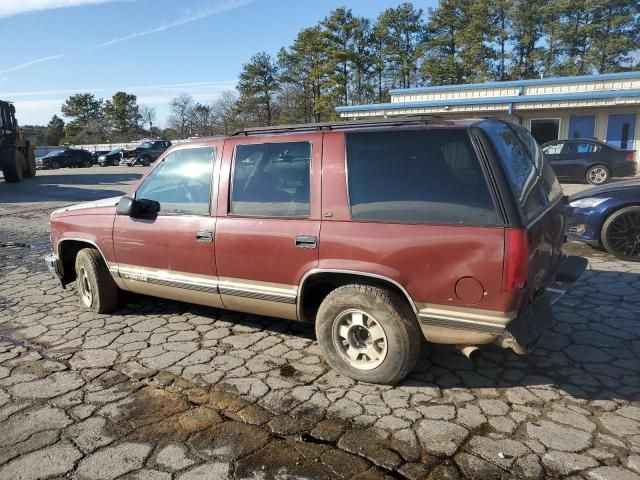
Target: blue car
<point>608,217</point>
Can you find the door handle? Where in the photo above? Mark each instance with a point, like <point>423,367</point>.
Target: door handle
<point>306,241</point>
<point>204,236</point>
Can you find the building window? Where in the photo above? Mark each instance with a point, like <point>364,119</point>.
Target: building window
<point>621,129</point>
<point>582,126</point>
<point>545,129</point>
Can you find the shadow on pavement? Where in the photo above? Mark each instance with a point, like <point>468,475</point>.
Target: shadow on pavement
<point>591,353</point>
<point>66,187</point>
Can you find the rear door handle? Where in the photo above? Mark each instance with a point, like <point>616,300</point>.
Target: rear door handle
<point>204,236</point>
<point>306,241</point>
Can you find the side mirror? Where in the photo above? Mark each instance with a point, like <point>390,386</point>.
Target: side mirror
<point>141,208</point>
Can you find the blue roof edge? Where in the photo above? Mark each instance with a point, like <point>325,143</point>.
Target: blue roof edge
<point>489,100</point>
<point>518,83</point>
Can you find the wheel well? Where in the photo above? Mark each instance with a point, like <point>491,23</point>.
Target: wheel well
<point>315,289</point>
<point>67,253</point>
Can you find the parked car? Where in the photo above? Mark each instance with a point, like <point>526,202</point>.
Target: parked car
<point>608,217</point>
<point>95,155</point>
<point>448,230</point>
<point>590,160</point>
<point>69,157</point>
<point>111,158</point>
<point>41,164</point>
<point>145,154</point>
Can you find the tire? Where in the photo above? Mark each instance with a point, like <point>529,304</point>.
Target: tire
<point>387,359</point>
<point>86,163</point>
<point>96,288</point>
<point>145,161</point>
<point>12,166</point>
<point>116,163</point>
<point>30,171</point>
<point>620,233</point>
<point>55,165</point>
<point>598,175</point>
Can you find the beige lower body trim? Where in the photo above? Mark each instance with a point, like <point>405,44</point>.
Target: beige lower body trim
<point>462,325</point>
<point>261,298</point>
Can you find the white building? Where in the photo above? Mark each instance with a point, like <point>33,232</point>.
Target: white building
<point>592,106</point>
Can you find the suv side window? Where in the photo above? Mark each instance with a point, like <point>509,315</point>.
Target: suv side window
<point>417,176</point>
<point>182,182</point>
<point>271,180</point>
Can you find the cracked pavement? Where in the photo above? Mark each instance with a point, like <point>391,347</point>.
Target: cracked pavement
<point>166,390</point>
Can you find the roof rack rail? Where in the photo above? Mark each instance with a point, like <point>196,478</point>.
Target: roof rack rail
<point>420,120</point>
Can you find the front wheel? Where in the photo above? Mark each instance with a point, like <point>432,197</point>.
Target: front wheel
<point>94,283</point>
<point>598,175</point>
<point>145,161</point>
<point>55,165</point>
<point>12,165</point>
<point>368,333</point>
<point>620,235</point>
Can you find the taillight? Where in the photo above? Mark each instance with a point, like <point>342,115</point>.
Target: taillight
<point>629,157</point>
<point>516,260</point>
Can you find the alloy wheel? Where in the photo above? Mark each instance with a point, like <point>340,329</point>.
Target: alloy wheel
<point>359,339</point>
<point>598,175</point>
<point>623,235</point>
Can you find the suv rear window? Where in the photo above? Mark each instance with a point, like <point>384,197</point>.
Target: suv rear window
<point>532,179</point>
<point>417,176</point>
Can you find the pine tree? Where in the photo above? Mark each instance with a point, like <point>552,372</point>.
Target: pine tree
<point>258,86</point>
<point>400,34</point>
<point>55,131</point>
<point>527,19</point>
<point>617,24</point>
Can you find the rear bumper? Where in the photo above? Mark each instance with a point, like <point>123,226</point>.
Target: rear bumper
<point>626,169</point>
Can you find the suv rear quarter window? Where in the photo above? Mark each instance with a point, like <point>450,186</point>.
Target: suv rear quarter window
<point>417,176</point>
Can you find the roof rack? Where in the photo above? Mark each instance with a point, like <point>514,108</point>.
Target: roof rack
<point>419,121</point>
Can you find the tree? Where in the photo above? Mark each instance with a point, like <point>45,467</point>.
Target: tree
<point>148,115</point>
<point>499,19</point>
<point>182,114</point>
<point>55,131</point>
<point>258,86</point>
<point>527,19</point>
<point>442,63</point>
<point>82,108</point>
<point>123,114</point>
<point>226,112</point>
<point>400,33</point>
<point>618,35</point>
<point>203,120</point>
<point>306,66</point>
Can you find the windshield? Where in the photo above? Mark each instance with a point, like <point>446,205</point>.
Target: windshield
<point>115,150</point>
<point>145,145</point>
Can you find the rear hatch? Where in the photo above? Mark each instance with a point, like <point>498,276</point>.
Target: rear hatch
<point>533,241</point>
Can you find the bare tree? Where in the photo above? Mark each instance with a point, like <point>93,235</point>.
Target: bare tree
<point>203,120</point>
<point>227,114</point>
<point>181,117</point>
<point>148,115</point>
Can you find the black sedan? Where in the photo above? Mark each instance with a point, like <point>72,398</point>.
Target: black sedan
<point>608,217</point>
<point>69,157</point>
<point>110,158</point>
<point>590,160</point>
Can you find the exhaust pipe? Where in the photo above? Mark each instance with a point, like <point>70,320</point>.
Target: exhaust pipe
<point>467,350</point>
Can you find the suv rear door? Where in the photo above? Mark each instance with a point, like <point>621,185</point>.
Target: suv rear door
<point>268,223</point>
<point>537,195</point>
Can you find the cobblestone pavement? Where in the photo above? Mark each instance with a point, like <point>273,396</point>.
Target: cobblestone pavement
<point>165,390</point>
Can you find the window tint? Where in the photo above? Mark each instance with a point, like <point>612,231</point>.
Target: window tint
<point>417,176</point>
<point>533,181</point>
<point>182,181</point>
<point>553,149</point>
<point>271,179</point>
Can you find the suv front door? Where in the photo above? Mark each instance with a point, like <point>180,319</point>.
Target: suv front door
<point>268,225</point>
<point>173,255</point>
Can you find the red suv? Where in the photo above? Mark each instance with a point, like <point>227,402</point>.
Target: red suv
<point>380,232</point>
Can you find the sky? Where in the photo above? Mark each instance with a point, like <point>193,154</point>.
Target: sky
<point>155,49</point>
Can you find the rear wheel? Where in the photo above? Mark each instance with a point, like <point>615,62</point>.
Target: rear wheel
<point>96,287</point>
<point>12,165</point>
<point>598,174</point>
<point>146,161</point>
<point>620,235</point>
<point>368,333</point>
